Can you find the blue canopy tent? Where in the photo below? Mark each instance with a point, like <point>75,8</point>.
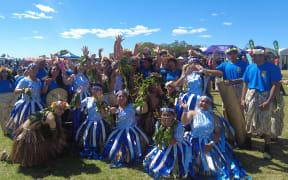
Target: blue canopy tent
<point>69,55</point>
<point>221,49</point>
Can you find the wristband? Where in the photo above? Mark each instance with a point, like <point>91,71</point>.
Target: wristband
<point>212,142</point>
<point>269,101</point>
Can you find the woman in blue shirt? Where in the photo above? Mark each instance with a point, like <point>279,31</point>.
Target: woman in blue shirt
<point>55,79</point>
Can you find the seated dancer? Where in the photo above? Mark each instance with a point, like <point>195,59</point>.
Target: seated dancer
<point>127,142</point>
<point>167,155</point>
<point>30,100</point>
<point>41,137</point>
<point>92,133</point>
<point>208,153</point>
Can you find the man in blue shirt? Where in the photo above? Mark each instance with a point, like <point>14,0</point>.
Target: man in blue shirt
<point>260,82</point>
<point>233,70</point>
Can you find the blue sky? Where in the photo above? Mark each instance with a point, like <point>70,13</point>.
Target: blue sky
<point>32,28</point>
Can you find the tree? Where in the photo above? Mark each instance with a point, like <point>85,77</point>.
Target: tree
<point>178,48</point>
<point>63,51</point>
<point>3,55</point>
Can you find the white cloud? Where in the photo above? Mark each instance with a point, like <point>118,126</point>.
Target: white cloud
<point>227,23</point>
<point>110,32</point>
<point>32,15</point>
<point>205,36</point>
<point>187,30</point>
<point>38,37</point>
<point>36,15</point>
<point>45,8</point>
<point>75,33</point>
<point>2,17</point>
<point>214,14</point>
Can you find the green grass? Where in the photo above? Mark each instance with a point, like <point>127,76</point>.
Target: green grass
<point>73,167</point>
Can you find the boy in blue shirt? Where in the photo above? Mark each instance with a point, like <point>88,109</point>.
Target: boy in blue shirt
<point>260,82</point>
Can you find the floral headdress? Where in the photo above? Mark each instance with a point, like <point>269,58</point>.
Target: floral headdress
<point>63,104</point>
<point>127,52</point>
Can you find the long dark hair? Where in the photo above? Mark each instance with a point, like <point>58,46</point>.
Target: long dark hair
<point>59,79</point>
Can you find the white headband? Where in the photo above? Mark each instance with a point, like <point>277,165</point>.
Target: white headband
<point>206,97</point>
<point>167,109</point>
<point>119,92</point>
<point>257,51</point>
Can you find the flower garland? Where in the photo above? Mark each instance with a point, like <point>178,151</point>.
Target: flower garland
<point>163,136</point>
<point>125,70</point>
<point>93,76</point>
<point>143,86</point>
<point>63,104</point>
<point>28,94</point>
<point>102,106</point>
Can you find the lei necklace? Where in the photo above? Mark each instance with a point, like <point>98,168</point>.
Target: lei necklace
<point>102,106</point>
<point>163,136</point>
<point>28,94</point>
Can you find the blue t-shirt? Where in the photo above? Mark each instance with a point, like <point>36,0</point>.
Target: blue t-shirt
<point>146,72</point>
<point>232,71</point>
<point>41,73</point>
<point>6,86</point>
<point>173,76</point>
<point>261,77</point>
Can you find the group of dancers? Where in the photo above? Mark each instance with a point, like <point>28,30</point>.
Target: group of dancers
<point>173,130</point>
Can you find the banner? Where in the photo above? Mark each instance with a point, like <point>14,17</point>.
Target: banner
<point>251,42</point>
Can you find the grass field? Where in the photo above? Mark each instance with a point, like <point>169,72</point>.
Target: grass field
<point>74,167</point>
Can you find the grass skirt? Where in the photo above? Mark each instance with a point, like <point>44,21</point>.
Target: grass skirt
<point>31,147</point>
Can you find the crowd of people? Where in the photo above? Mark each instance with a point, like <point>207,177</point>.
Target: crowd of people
<point>134,107</point>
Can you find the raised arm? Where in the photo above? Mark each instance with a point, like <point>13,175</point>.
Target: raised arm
<point>187,117</point>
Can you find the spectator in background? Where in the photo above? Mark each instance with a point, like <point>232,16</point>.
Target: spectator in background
<point>174,73</point>
<point>7,97</point>
<point>42,72</point>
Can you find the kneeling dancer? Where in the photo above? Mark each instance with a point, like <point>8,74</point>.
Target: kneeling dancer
<point>41,137</point>
<point>168,153</point>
